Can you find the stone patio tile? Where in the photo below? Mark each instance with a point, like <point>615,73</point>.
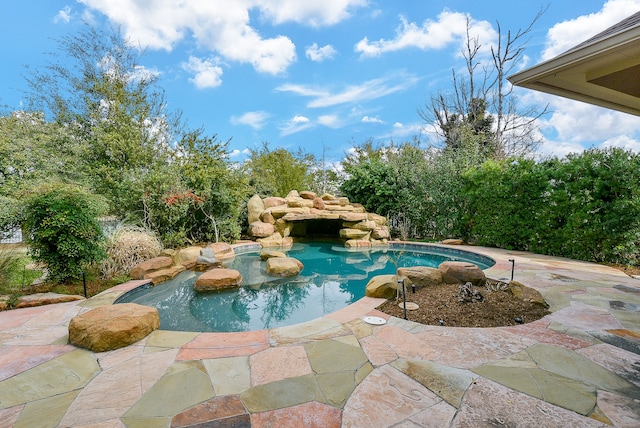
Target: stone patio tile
<point>220,345</point>
<point>618,338</point>
<point>45,413</point>
<point>118,356</point>
<point>489,404</point>
<point>403,343</point>
<point>436,416</point>
<point>408,325</point>
<point>17,317</point>
<point>318,329</point>
<point>278,363</point>
<point>59,314</point>
<point>585,317</point>
<point>359,328</point>
<point>355,310</point>
<point>377,351</point>
<point>281,394</point>
<point>34,335</point>
<point>147,422</point>
<point>330,356</point>
<point>17,359</point>
<point>183,386</point>
<point>62,374</point>
<point>628,319</point>
<point>337,387</point>
<point>110,394</point>
<point>555,389</point>
<point>470,347</point>
<point>572,332</point>
<point>623,363</point>
<point>385,398</point>
<point>448,383</point>
<point>548,336</point>
<point>229,376</point>
<point>169,339</point>
<point>308,415</point>
<point>578,367</point>
<point>219,411</point>
<point>622,411</point>
<point>10,415</point>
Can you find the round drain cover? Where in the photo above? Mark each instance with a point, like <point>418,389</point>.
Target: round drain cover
<point>410,306</point>
<point>374,320</point>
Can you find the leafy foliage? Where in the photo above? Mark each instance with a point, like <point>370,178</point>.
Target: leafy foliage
<point>277,172</point>
<point>586,206</point>
<point>62,229</point>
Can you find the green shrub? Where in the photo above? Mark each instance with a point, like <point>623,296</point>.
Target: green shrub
<point>8,264</point>
<point>126,247</point>
<point>62,229</point>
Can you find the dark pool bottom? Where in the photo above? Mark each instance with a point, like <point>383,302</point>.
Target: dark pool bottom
<point>333,277</point>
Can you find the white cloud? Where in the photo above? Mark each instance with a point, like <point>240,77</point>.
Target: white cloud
<point>329,120</point>
<point>300,119</point>
<point>624,142</point>
<point>451,27</point>
<point>295,124</point>
<point>401,130</point>
<point>315,13</point>
<point>567,34</point>
<point>64,15</point>
<point>235,153</point>
<point>317,54</point>
<point>223,26</point>
<point>207,72</point>
<point>255,119</point>
<point>369,90</point>
<point>369,119</point>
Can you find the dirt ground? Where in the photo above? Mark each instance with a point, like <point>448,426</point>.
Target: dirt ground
<point>440,305</point>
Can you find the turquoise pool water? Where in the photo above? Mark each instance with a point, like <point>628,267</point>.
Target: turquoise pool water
<point>333,277</point>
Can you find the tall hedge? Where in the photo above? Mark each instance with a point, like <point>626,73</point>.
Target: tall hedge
<point>586,206</point>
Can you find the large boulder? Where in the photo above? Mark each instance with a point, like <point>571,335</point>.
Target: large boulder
<point>422,276</point>
<point>112,327</point>
<point>187,257</point>
<point>267,254</point>
<point>148,266</point>
<point>275,240</point>
<point>461,273</point>
<point>218,279</point>
<point>222,250</point>
<point>381,232</point>
<point>259,229</point>
<point>283,267</point>
<point>305,194</point>
<point>354,234</point>
<point>255,206</point>
<point>528,294</point>
<point>274,201</point>
<point>162,275</point>
<point>384,286</point>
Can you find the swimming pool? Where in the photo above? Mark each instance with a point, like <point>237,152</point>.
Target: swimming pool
<point>333,277</point>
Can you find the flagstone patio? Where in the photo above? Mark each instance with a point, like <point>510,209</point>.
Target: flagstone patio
<point>579,366</point>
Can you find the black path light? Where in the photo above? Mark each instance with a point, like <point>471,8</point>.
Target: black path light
<point>513,267</point>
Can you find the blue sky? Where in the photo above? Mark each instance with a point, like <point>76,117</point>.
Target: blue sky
<point>320,74</point>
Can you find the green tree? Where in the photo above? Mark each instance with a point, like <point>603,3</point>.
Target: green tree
<point>62,229</point>
<point>104,96</point>
<point>277,172</point>
<point>33,150</point>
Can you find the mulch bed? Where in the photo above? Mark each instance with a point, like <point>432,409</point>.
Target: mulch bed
<point>439,305</point>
